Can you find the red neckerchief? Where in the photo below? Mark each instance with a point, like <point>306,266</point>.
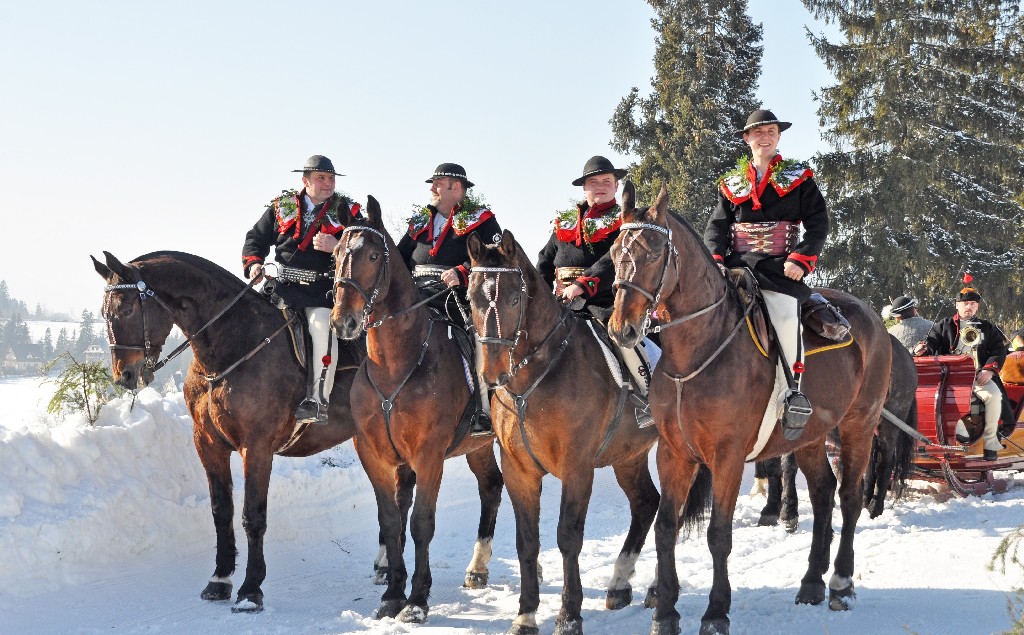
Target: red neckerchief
<point>576,235</point>
<point>759,188</point>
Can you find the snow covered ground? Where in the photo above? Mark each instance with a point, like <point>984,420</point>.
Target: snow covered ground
<point>107,528</point>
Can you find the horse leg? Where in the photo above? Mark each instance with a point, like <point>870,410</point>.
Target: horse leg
<point>855,459</point>
<point>572,518</point>
<point>406,483</point>
<point>428,483</point>
<point>256,466</point>
<point>771,469</point>
<point>523,484</point>
<point>788,514</point>
<point>876,479</point>
<point>728,471</point>
<point>216,459</point>
<point>634,477</point>
<point>676,474</point>
<point>821,485</point>
<point>489,483</point>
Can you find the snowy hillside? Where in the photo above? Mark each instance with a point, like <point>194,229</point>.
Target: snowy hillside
<point>108,529</point>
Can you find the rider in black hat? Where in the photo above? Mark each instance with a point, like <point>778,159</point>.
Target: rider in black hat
<point>910,328</point>
<point>763,204</point>
<point>576,263</point>
<point>302,227</point>
<point>435,251</point>
<point>966,334</point>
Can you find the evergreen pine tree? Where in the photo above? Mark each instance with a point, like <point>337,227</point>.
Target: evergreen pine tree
<point>707,63</point>
<point>47,344</point>
<point>926,179</point>
<point>87,332</point>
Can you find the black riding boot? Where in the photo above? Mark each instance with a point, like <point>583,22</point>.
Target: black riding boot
<point>481,425</point>
<point>824,318</point>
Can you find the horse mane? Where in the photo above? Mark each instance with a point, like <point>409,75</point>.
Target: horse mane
<point>211,269</point>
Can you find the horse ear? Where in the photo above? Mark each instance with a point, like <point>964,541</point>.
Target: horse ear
<point>116,266</point>
<point>475,247</point>
<point>509,245</point>
<point>101,268</point>
<point>628,200</point>
<point>661,205</point>
<point>373,210</point>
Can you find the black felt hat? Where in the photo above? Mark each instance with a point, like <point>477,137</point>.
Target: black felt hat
<point>319,163</point>
<point>968,293</point>
<point>452,170</point>
<point>903,306</point>
<point>763,118</point>
<point>598,165</point>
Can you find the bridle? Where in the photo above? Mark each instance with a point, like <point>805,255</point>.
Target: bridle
<point>145,293</point>
<point>672,252</point>
<point>501,339</point>
<point>370,297</point>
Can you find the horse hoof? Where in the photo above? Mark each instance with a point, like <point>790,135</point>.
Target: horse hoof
<point>811,593</point>
<point>572,626</point>
<point>842,599</point>
<point>618,598</point>
<point>667,626</point>
<point>475,580</point>
<point>519,629</point>
<point>413,614</point>
<point>768,520</point>
<point>790,525</point>
<point>380,576</point>
<point>252,603</point>
<point>389,608</point>
<point>215,591</point>
<point>651,601</point>
<point>719,626</point>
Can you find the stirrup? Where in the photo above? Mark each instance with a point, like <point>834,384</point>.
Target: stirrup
<point>481,425</point>
<point>311,411</point>
<point>642,409</point>
<point>796,411</point>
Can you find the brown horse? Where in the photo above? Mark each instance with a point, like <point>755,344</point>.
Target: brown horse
<point>242,387</point>
<point>711,390</point>
<point>409,402</point>
<point>557,409</point>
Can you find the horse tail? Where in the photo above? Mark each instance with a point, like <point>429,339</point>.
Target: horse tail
<point>698,503</point>
<point>904,453</point>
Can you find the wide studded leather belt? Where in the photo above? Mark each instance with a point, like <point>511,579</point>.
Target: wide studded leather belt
<point>428,273</point>
<point>564,276</point>
<point>772,238</point>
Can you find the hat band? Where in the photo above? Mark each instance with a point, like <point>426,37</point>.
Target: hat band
<point>451,174</point>
<point>760,123</point>
<point>904,307</point>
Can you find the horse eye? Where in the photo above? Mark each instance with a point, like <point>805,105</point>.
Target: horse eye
<point>515,300</point>
<point>374,256</point>
<point>656,255</point>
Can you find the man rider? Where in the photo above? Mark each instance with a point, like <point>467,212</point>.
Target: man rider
<point>303,226</point>
<point>434,249</point>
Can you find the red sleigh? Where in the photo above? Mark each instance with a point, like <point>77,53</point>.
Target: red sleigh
<point>943,398</point>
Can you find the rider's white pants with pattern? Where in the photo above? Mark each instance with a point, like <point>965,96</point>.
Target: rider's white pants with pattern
<point>319,319</point>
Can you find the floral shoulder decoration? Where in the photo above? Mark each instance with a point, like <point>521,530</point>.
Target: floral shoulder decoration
<point>784,175</point>
<point>593,229</point>
<point>472,211</point>
<point>286,206</point>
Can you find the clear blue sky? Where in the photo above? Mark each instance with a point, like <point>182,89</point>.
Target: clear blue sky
<point>133,126</point>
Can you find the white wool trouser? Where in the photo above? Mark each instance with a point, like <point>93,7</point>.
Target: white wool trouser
<point>989,393</point>
<point>785,315</point>
<point>485,394</point>
<point>319,320</point>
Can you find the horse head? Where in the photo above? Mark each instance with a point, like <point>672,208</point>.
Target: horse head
<point>138,322</point>
<point>362,272</point>
<point>646,266</point>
